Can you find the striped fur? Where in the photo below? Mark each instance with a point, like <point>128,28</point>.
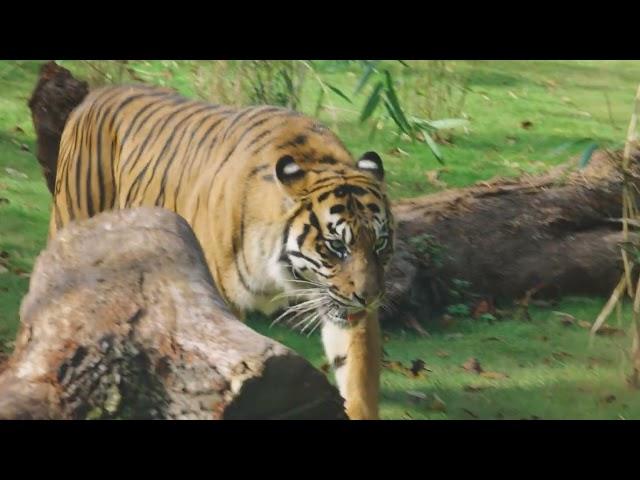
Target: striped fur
<point>283,212</point>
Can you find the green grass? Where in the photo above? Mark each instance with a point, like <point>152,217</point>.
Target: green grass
<point>553,371</point>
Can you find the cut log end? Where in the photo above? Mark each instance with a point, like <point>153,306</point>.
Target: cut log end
<point>122,320</point>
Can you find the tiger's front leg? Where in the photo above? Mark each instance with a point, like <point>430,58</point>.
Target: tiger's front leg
<point>355,354</point>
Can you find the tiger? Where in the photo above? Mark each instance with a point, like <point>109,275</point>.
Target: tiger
<point>287,218</point>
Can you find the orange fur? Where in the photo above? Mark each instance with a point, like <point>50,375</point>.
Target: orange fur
<point>363,366</point>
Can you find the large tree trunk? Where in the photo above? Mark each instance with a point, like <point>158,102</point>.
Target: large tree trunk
<point>122,320</point>
<point>550,235</point>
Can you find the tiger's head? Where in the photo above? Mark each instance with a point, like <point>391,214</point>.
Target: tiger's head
<point>340,238</point>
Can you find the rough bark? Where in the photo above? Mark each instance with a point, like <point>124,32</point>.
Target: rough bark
<point>122,320</point>
<point>551,236</point>
<point>56,94</point>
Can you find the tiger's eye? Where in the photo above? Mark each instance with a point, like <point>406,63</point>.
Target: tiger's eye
<point>381,242</point>
<point>338,247</point>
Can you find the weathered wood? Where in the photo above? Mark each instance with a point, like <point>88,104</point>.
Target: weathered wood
<point>122,320</point>
<point>56,94</point>
<point>551,235</point>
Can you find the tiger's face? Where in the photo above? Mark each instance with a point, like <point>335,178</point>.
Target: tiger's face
<point>341,238</point>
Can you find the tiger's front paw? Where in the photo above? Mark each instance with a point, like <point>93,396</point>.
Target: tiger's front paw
<point>361,410</point>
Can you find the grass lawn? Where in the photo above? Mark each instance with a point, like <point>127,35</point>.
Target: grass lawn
<point>532,369</point>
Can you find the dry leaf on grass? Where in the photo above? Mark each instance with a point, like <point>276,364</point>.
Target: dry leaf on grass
<point>608,330</point>
<point>417,369</point>
<point>585,325</point>
<point>609,398</point>
<point>472,365</point>
<point>474,388</point>
<point>566,319</point>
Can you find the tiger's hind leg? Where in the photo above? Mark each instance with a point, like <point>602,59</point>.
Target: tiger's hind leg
<point>355,354</point>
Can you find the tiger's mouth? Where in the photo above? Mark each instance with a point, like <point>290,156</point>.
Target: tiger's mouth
<point>346,315</point>
<point>312,305</point>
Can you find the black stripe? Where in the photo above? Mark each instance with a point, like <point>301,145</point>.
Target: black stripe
<point>195,211</point>
<point>252,127</point>
<point>302,255</point>
<point>313,219</point>
<point>327,159</point>
<point>297,141</point>
<point>102,115</point>
<point>229,154</point>
<point>164,119</point>
<point>326,182</point>
<point>243,281</point>
<point>99,159</point>
<point>305,231</point>
<point>71,147</point>
<point>179,143</point>
<point>255,140</point>
<point>91,159</point>
<point>205,136</point>
<point>375,193</point>
<point>131,123</point>
<point>56,213</point>
<point>114,188</point>
<point>165,149</point>
<point>323,196</point>
<point>162,122</point>
<point>235,120</point>
<point>348,189</point>
<point>257,170</point>
<point>322,274</point>
<point>338,361</point>
<point>130,192</point>
<point>243,202</point>
<point>89,124</point>
<point>275,130</point>
<point>190,159</point>
<point>373,207</point>
<point>287,228</point>
<point>78,163</point>
<point>219,285</point>
<point>131,161</point>
<point>123,162</point>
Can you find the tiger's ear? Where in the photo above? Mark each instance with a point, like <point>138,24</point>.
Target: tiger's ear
<point>372,163</point>
<point>290,175</point>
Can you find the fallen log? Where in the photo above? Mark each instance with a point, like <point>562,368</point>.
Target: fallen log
<point>123,321</point>
<point>55,95</point>
<point>548,236</point>
<point>545,236</point>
